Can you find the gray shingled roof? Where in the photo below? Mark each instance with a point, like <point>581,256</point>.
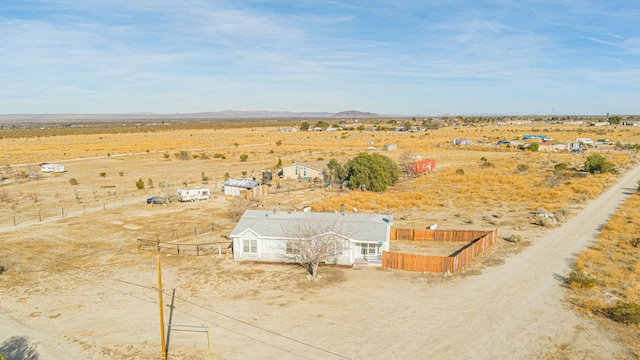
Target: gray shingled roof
<point>243,183</point>
<point>275,224</point>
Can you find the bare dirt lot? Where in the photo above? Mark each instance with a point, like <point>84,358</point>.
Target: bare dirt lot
<point>77,284</point>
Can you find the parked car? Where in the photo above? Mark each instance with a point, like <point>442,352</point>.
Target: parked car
<point>503,142</point>
<point>157,200</point>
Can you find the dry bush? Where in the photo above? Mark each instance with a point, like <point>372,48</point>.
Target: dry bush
<point>579,279</point>
<point>5,196</point>
<point>515,238</point>
<point>547,222</point>
<point>613,260</point>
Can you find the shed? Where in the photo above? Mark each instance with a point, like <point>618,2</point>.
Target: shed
<point>234,186</point>
<point>422,166</point>
<point>390,147</point>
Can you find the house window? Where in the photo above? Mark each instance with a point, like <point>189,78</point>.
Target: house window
<point>335,250</point>
<point>250,245</point>
<point>370,249</point>
<point>292,248</point>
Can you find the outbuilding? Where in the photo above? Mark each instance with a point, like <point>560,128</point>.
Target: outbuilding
<point>235,187</point>
<point>422,166</point>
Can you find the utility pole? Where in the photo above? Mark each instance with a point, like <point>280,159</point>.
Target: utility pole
<point>164,350</point>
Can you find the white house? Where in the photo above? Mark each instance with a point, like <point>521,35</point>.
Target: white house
<point>264,235</point>
<point>304,170</point>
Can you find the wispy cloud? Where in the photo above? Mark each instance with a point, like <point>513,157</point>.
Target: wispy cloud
<point>199,55</point>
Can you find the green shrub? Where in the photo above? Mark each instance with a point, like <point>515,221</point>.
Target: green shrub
<point>103,174</point>
<point>244,157</point>
<point>579,278</point>
<point>140,184</point>
<point>598,163</point>
<point>625,312</point>
<point>73,181</point>
<point>459,172</point>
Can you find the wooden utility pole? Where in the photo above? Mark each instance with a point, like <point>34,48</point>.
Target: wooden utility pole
<point>164,350</point>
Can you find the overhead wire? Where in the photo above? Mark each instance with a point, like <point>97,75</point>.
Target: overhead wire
<point>82,269</point>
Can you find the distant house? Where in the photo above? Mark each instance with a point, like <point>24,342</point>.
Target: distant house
<point>587,141</point>
<point>462,141</point>
<point>529,137</point>
<point>551,146</point>
<point>263,235</point>
<point>235,187</point>
<point>389,147</point>
<point>304,170</point>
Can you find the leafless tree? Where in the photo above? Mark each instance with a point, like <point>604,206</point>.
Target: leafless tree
<point>314,242</point>
<point>238,207</point>
<point>406,160</point>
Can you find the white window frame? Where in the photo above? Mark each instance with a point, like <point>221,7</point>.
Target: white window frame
<point>250,246</point>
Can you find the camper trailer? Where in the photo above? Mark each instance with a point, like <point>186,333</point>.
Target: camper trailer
<point>193,194</point>
<point>52,168</point>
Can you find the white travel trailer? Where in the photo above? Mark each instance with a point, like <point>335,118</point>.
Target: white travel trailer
<point>52,168</point>
<point>193,194</point>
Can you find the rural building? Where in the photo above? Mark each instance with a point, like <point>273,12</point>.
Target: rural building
<point>390,147</point>
<point>46,167</point>
<point>304,170</point>
<point>585,141</point>
<point>264,235</point>
<point>193,194</point>
<point>422,166</point>
<point>238,187</point>
<point>529,137</point>
<point>462,141</point>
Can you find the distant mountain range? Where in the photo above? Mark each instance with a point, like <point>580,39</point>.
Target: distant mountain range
<point>149,116</point>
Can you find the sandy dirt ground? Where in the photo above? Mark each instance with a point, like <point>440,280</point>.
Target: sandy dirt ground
<point>79,287</point>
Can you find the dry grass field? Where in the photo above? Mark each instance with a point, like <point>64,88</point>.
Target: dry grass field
<point>58,239</point>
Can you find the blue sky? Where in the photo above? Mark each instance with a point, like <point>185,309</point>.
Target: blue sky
<point>389,57</point>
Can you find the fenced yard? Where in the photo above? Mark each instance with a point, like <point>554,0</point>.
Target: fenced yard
<point>220,247</point>
<point>473,243</point>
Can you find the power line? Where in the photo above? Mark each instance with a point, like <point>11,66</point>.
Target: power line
<point>84,270</point>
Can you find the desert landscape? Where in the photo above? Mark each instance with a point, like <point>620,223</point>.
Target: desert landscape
<point>77,286</point>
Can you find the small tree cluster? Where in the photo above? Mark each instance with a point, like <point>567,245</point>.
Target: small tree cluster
<point>372,171</point>
<point>598,163</point>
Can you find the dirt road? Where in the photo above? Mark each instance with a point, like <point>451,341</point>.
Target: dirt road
<point>515,310</point>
